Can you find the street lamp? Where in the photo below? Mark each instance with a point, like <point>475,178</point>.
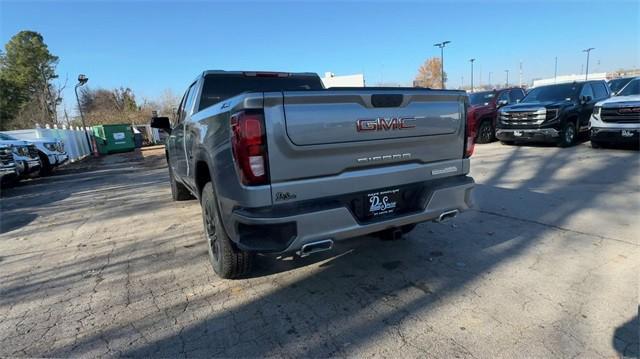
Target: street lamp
<point>82,79</point>
<point>507,84</point>
<point>471,61</point>
<point>441,45</point>
<point>588,51</point>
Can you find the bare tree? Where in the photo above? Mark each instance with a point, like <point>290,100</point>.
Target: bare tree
<point>430,74</point>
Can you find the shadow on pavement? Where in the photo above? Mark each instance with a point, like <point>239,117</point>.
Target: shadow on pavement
<point>347,302</point>
<point>626,338</point>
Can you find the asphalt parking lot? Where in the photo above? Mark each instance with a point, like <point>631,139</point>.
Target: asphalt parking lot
<point>100,262</point>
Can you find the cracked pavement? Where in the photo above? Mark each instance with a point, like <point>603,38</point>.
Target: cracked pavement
<point>99,262</point>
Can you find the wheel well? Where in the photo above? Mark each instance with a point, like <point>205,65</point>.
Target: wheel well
<point>43,158</point>
<point>484,119</point>
<point>573,119</point>
<point>202,175</point>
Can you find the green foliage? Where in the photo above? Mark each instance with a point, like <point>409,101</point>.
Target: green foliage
<point>27,70</point>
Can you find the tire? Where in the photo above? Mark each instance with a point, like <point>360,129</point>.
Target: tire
<point>486,133</point>
<point>568,135</point>
<point>227,261</point>
<point>178,191</point>
<point>45,166</point>
<point>507,143</point>
<point>596,144</point>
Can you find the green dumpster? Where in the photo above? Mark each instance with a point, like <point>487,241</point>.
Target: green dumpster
<point>113,138</point>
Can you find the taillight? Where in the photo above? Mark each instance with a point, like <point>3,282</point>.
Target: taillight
<point>249,147</point>
<point>470,144</point>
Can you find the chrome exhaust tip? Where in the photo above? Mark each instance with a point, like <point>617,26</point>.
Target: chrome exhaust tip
<point>447,215</point>
<point>315,247</point>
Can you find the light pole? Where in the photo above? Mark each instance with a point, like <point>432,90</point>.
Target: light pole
<point>471,61</point>
<point>555,71</point>
<point>588,51</point>
<point>82,79</point>
<point>490,78</point>
<point>507,84</point>
<point>520,75</point>
<point>441,45</point>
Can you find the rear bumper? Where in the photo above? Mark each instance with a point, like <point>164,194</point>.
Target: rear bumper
<point>285,229</point>
<point>538,134</point>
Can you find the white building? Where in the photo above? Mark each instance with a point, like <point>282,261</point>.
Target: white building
<point>331,80</point>
<point>569,78</point>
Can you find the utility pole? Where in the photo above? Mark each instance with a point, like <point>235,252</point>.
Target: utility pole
<point>489,78</point>
<point>472,60</point>
<point>507,83</point>
<point>555,71</point>
<point>441,45</point>
<point>588,51</point>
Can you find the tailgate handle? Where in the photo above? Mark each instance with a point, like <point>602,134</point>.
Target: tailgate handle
<point>389,100</point>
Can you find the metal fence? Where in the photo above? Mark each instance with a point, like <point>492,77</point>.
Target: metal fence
<point>74,139</point>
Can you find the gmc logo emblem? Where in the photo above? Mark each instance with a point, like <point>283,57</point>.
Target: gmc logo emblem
<point>385,124</point>
<point>629,110</point>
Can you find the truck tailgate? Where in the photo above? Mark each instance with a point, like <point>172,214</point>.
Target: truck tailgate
<point>329,132</point>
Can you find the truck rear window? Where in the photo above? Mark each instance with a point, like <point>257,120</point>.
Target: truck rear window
<point>219,87</point>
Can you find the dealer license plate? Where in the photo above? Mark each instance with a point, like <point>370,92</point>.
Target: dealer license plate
<point>517,133</point>
<point>627,133</point>
<point>382,202</point>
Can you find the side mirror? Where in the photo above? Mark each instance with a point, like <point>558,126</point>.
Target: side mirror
<point>161,123</point>
<point>502,103</point>
<point>585,99</point>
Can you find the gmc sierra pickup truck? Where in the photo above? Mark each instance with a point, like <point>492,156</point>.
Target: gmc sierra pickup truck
<point>557,113</point>
<point>282,165</point>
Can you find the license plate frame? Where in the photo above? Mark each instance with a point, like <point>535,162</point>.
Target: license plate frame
<point>382,202</point>
<point>518,133</point>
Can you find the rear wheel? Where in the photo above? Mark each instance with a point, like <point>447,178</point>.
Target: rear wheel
<point>485,132</point>
<point>178,191</point>
<point>227,261</point>
<point>567,135</point>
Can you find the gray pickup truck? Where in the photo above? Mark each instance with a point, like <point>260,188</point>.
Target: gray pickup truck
<point>282,165</point>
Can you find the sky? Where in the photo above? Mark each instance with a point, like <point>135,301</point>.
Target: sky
<point>152,46</point>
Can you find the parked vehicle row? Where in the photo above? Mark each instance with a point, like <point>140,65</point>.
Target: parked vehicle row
<point>22,158</point>
<point>559,113</point>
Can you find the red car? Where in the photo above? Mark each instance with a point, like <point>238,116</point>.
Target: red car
<point>483,110</point>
